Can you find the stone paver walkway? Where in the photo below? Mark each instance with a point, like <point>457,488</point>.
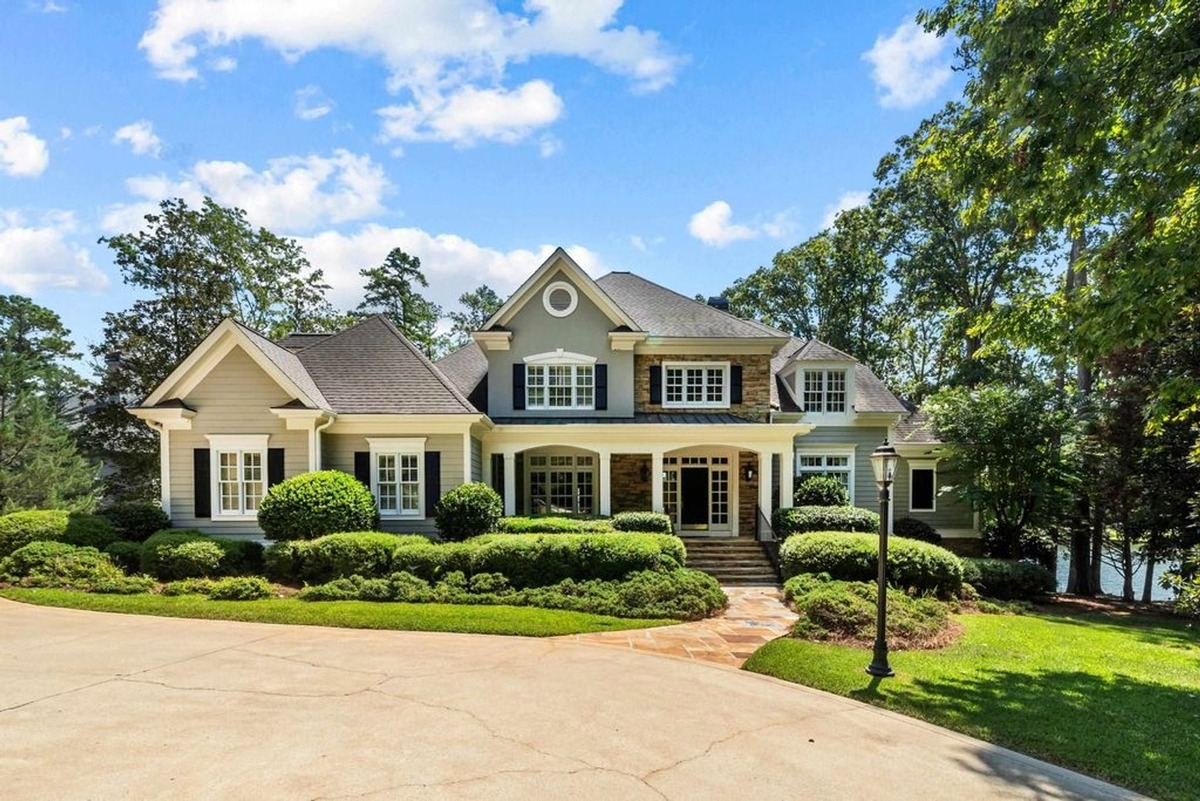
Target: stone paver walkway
<point>756,615</point>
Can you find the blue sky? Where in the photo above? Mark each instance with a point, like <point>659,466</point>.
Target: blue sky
<point>685,141</point>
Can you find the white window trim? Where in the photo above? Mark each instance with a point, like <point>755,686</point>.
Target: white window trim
<point>560,358</point>
<point>226,443</point>
<point>574,470</point>
<point>549,290</point>
<point>724,402</point>
<point>395,446</point>
<point>926,464</point>
<point>828,450</point>
<point>802,374</point>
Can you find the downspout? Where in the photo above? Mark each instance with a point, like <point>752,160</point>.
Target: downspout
<point>316,443</point>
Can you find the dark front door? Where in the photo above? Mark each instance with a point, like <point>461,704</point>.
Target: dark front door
<point>693,497</point>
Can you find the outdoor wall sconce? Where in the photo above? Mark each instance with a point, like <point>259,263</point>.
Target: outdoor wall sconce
<point>748,473</point>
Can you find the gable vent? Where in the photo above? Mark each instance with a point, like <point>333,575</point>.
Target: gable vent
<point>560,299</point>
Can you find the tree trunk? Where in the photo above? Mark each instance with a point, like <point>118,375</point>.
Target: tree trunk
<point>1148,583</point>
<point>1127,568</point>
<point>1097,555</point>
<point>1082,553</point>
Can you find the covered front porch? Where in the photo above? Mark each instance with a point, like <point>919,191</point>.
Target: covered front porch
<point>711,479</point>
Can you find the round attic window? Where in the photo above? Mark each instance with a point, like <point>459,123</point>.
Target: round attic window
<point>560,299</point>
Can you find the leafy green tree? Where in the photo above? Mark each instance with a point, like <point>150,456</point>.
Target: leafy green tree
<point>40,464</point>
<point>1004,443</point>
<point>391,290</point>
<point>477,306</point>
<point>192,267</point>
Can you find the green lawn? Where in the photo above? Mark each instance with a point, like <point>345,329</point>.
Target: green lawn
<point>516,620</point>
<point>1113,697</point>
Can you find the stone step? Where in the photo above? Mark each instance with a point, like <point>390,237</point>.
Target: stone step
<point>740,571</point>
<point>701,564</point>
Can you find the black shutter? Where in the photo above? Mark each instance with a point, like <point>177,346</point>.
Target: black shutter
<point>735,383</point>
<point>433,480</point>
<point>202,478</point>
<point>274,466</point>
<point>518,397</point>
<point>498,473</point>
<point>601,376</point>
<point>656,384</point>
<point>362,466</point>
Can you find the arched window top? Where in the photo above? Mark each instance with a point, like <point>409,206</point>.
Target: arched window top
<point>559,356</point>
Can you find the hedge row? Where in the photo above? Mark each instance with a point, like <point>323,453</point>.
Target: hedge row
<point>553,525</point>
<point>526,560</point>
<point>804,519</point>
<point>848,556</point>
<point>186,553</point>
<point>63,566</point>
<point>18,529</point>
<point>1008,580</point>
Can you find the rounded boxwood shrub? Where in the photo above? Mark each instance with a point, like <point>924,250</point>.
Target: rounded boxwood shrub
<point>54,525</point>
<point>236,556</point>
<point>913,529</point>
<point>642,522</point>
<point>1008,580</point>
<point>802,519</point>
<point>127,555</point>
<point>849,556</point>
<point>32,558</point>
<point>136,520</point>
<point>468,511</point>
<point>195,559</point>
<point>366,553</point>
<point>815,490</point>
<point>312,505</point>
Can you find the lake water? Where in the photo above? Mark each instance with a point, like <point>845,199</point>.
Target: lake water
<point>1111,581</point>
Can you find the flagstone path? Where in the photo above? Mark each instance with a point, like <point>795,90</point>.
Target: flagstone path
<point>756,615</point>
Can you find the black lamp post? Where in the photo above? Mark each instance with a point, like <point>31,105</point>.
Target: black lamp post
<point>883,464</point>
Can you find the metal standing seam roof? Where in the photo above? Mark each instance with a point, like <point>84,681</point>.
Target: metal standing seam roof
<point>646,418</point>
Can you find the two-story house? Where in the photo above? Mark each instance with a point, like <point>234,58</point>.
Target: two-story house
<point>579,396</point>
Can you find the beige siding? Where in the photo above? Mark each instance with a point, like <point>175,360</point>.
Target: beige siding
<point>338,454</point>
<point>235,398</point>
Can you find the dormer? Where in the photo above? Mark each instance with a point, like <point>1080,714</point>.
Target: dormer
<point>822,382</point>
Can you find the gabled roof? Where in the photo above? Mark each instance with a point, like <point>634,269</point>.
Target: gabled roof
<point>916,429</point>
<point>870,394</point>
<point>467,369</point>
<point>370,368</point>
<point>665,313</point>
<point>559,260</point>
<point>286,361</point>
<point>814,350</point>
<point>299,340</point>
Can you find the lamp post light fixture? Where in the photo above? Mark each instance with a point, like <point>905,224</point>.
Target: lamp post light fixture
<point>883,464</point>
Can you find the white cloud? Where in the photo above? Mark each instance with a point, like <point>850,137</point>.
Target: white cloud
<point>51,7</point>
<point>470,114</point>
<point>713,225</point>
<point>312,103</point>
<point>294,193</point>
<point>549,146</point>
<point>848,200</point>
<point>449,58</point>
<point>452,264</point>
<point>22,154</point>
<point>909,66</point>
<point>223,64</point>
<point>141,138</point>
<point>638,243</point>
<point>39,256</point>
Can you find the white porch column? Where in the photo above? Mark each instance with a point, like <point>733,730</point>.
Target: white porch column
<point>466,476</point>
<point>764,483</point>
<point>605,483</point>
<point>656,482</point>
<point>486,463</point>
<point>510,483</point>
<point>164,467</point>
<point>787,476</point>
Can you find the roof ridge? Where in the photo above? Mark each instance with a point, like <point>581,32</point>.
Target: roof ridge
<point>433,368</point>
<point>756,323</point>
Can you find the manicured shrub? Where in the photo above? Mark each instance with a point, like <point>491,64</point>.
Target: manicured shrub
<point>845,610</point>
<point>468,511</point>
<point>913,529</point>
<point>1008,580</point>
<point>846,556</point>
<point>312,505</point>
<point>54,525</point>
<point>549,524</point>
<point>366,553</point>
<point>816,490</point>
<point>196,559</point>
<point>488,583</point>
<point>32,558</point>
<point>241,557</point>
<point>537,560</point>
<point>642,522</point>
<point>127,555</point>
<point>236,556</point>
<point>136,520</point>
<point>192,586</point>
<point>157,547</point>
<point>241,588</point>
<point>63,566</point>
<point>803,519</point>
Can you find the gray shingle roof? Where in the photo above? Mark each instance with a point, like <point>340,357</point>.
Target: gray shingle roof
<point>915,429</point>
<point>298,340</point>
<point>288,363</point>
<point>662,312</point>
<point>814,350</point>
<point>870,393</point>
<point>467,369</point>
<point>370,368</point>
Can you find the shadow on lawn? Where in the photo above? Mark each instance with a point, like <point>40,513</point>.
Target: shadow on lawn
<point>1168,632</point>
<point>1128,731</point>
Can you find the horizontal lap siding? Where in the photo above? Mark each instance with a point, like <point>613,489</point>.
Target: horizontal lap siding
<point>951,513</point>
<point>235,398</point>
<point>865,440</point>
<point>338,454</point>
<point>476,459</point>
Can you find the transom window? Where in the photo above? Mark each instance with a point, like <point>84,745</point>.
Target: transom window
<point>239,473</point>
<point>396,480</point>
<point>560,381</point>
<point>839,466</point>
<point>696,384</point>
<point>824,390</point>
<point>561,484</point>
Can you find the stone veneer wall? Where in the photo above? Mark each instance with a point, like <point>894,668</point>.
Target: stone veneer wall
<point>629,493</point>
<point>747,494</point>
<point>756,384</point>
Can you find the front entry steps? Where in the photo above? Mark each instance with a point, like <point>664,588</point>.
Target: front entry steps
<point>731,560</point>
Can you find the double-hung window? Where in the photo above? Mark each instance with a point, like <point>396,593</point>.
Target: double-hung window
<point>396,476</point>
<point>560,381</point>
<point>239,473</point>
<point>696,384</point>
<point>824,390</point>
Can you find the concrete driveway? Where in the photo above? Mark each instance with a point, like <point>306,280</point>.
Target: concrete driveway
<point>105,706</point>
